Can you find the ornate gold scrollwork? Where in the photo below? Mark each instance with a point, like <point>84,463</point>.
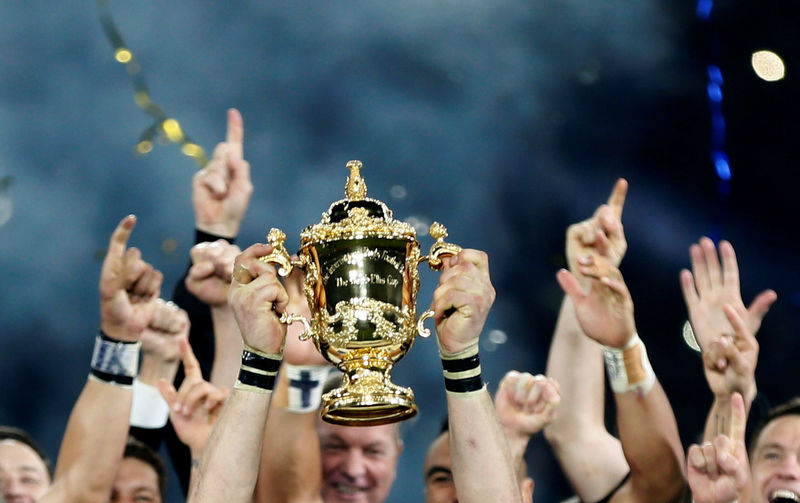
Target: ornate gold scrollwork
<point>440,248</point>
<point>278,256</point>
<point>372,310</point>
<point>289,318</point>
<point>424,332</point>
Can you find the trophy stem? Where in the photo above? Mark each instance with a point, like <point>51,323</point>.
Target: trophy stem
<point>367,396</point>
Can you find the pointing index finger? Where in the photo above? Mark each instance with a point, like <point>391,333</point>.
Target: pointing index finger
<point>235,135</point>
<point>119,239</point>
<point>617,198</point>
<point>190,365</point>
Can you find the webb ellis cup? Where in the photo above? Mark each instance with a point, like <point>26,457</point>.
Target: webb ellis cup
<point>361,283</point>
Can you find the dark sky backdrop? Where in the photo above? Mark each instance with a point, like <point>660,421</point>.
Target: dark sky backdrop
<point>504,120</point>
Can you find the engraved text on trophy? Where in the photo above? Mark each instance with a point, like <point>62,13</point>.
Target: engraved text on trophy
<point>365,276</point>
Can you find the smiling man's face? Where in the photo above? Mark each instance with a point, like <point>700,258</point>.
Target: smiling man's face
<point>23,474</point>
<point>775,461</point>
<point>359,463</point>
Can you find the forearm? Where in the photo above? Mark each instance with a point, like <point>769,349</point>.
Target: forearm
<point>719,416</point>
<point>517,446</point>
<point>201,333</point>
<point>651,443</point>
<point>229,465</point>
<point>576,362</point>
<point>93,443</point>
<point>483,469</point>
<point>227,346</point>
<point>290,461</point>
<point>591,458</point>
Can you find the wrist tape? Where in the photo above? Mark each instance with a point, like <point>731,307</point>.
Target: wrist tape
<point>462,371</point>
<point>115,362</point>
<point>258,371</point>
<point>629,368</point>
<point>305,386</point>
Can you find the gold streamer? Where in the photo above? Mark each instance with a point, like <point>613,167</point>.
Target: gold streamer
<point>164,128</point>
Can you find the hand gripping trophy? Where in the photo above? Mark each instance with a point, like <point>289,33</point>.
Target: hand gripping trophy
<point>361,283</point>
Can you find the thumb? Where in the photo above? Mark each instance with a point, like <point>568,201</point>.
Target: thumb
<point>738,422</point>
<point>569,284</point>
<point>759,308</point>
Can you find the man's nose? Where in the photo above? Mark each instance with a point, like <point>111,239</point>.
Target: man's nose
<point>354,465</point>
<point>10,489</point>
<point>454,496</point>
<point>790,468</point>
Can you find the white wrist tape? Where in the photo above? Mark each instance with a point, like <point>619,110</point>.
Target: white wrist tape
<point>115,362</point>
<point>305,386</point>
<point>628,368</point>
<point>149,409</point>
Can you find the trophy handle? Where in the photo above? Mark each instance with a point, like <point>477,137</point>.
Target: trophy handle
<point>440,248</point>
<point>279,256</point>
<point>424,332</point>
<point>289,318</point>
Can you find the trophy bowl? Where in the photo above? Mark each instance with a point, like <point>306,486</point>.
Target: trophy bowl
<point>361,280</point>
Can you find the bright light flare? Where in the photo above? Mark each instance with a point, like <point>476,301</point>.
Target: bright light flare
<point>768,65</point>
<point>193,150</point>
<point>173,130</point>
<point>123,55</point>
<point>144,147</point>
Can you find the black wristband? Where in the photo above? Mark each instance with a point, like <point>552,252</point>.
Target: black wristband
<point>465,385</point>
<point>462,372</point>
<point>461,365</point>
<point>258,370</point>
<point>256,361</point>
<point>112,378</point>
<point>205,237</point>
<point>105,337</point>
<point>265,382</point>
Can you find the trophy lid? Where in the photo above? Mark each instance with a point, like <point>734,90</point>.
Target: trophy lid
<point>356,217</point>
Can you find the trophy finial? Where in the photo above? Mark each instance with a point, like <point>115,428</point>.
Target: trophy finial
<point>438,231</point>
<point>356,189</point>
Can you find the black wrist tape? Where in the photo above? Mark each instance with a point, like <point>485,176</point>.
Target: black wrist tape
<point>462,375</point>
<point>258,370</point>
<point>262,381</point>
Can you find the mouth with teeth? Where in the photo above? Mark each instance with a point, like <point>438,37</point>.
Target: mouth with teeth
<point>347,490</point>
<point>783,496</point>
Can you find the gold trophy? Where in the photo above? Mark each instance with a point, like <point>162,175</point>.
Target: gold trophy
<point>361,283</point>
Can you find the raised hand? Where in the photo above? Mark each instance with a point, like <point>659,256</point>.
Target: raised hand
<point>462,300</point>
<point>160,343</point>
<point>195,407</point>
<point>221,190</point>
<point>605,312</point>
<point>258,299</point>
<point>711,285</point>
<point>602,234</point>
<point>129,287</point>
<point>210,275</point>
<point>169,324</point>
<point>526,403</point>
<point>718,470</point>
<point>730,360</point>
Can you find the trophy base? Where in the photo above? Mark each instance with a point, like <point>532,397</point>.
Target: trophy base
<point>352,405</point>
